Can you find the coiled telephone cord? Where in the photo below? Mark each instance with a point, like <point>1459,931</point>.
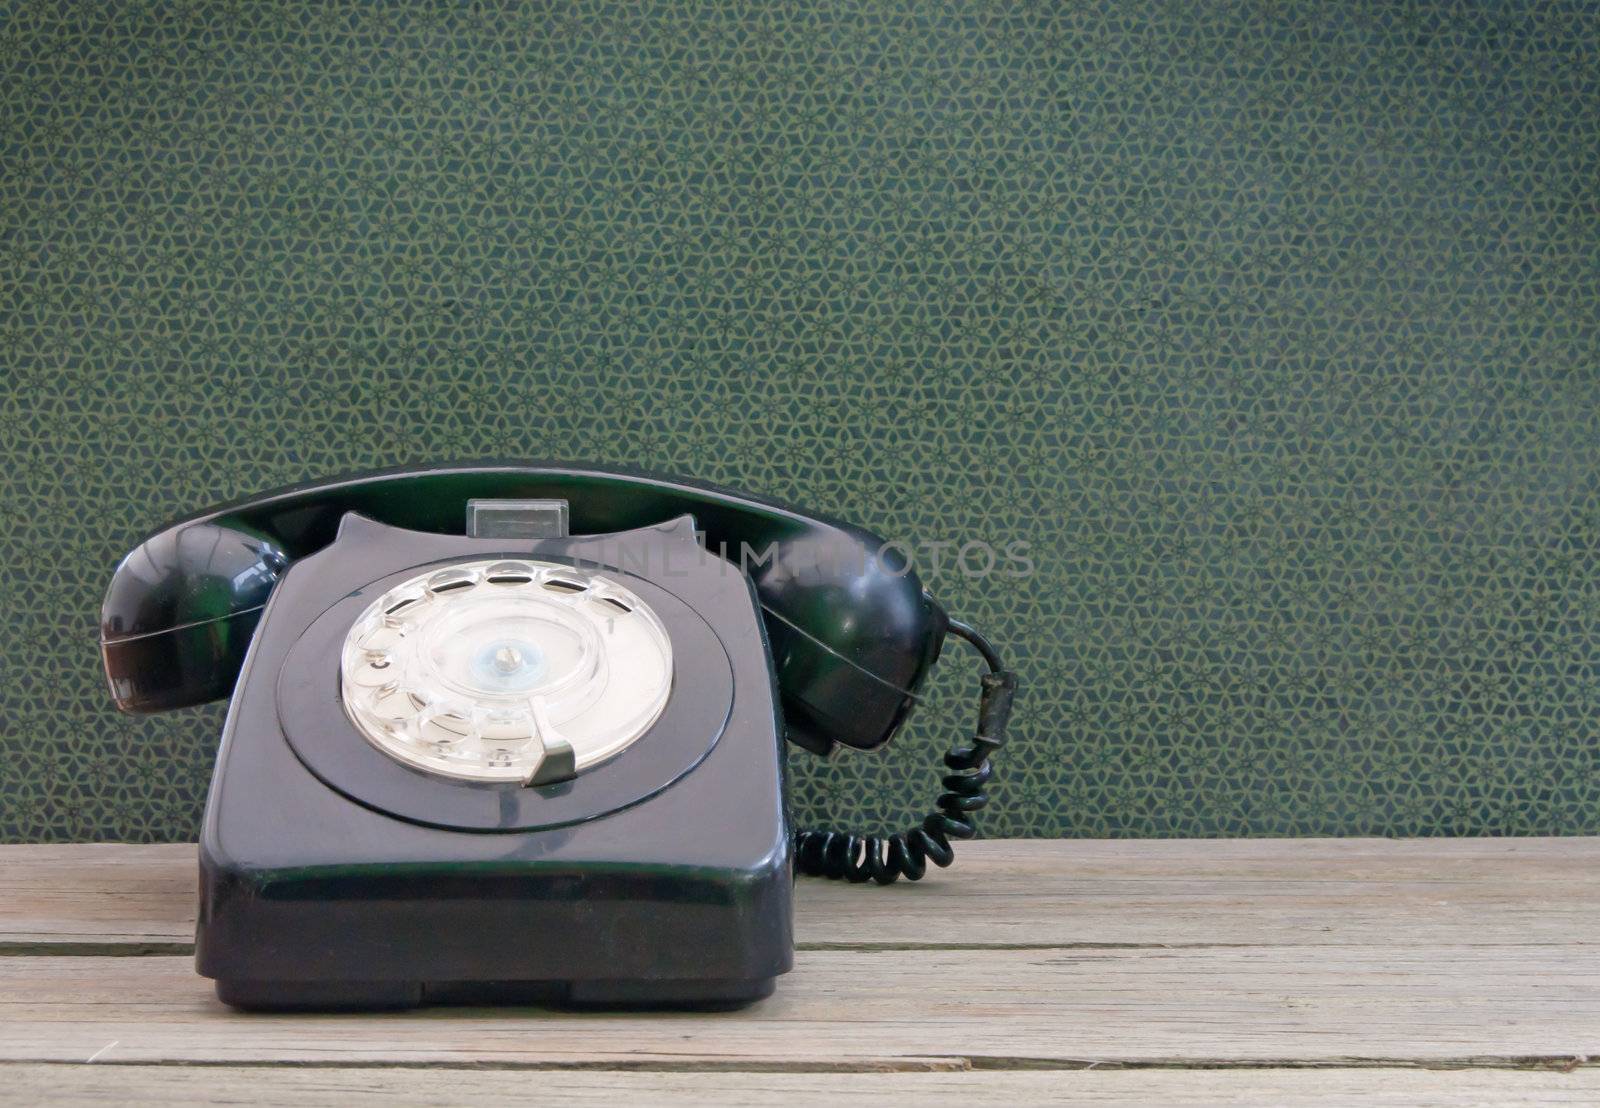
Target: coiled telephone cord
<point>887,858</point>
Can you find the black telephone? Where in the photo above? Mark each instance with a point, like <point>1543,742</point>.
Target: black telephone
<point>509,732</point>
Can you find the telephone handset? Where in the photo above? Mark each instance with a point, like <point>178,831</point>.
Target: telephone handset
<point>484,648</point>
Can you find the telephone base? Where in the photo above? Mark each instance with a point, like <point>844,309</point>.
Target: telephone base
<point>334,876</point>
<point>268,996</point>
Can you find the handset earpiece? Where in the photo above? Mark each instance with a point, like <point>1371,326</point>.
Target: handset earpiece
<point>181,610</point>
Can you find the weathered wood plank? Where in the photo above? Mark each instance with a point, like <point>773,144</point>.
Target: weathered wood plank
<point>90,895</point>
<point>92,898</point>
<point>1003,1008</point>
<point>293,1087</point>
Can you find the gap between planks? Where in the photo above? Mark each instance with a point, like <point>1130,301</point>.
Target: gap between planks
<point>294,1087</point>
<point>971,1064</point>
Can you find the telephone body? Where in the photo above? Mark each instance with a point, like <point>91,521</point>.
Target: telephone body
<point>513,732</point>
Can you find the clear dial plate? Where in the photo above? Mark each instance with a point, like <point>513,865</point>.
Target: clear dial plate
<point>505,670</point>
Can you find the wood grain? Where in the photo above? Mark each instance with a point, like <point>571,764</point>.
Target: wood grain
<point>861,1010</point>
<point>1469,892</point>
<point>1297,972</point>
<point>296,1086</point>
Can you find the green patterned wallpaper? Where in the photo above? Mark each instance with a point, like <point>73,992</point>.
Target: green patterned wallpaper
<point>1272,328</point>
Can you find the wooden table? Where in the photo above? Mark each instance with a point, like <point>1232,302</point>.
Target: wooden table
<point>1265,971</point>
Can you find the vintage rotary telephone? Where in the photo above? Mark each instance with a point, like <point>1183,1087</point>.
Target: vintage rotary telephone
<point>505,732</point>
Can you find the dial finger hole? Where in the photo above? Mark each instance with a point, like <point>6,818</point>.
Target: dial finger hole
<point>506,726</point>
<point>383,636</point>
<point>402,601</point>
<point>375,672</point>
<point>509,573</point>
<point>445,728</point>
<point>393,705</point>
<point>451,580</point>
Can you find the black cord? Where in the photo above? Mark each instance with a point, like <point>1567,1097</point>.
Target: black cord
<point>886,859</point>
